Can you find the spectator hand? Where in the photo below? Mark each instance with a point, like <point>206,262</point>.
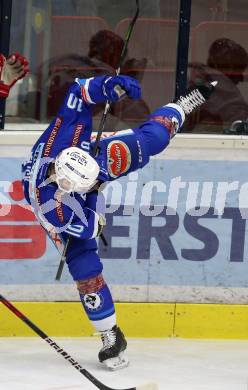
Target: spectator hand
<point>115,87</point>
<point>12,69</point>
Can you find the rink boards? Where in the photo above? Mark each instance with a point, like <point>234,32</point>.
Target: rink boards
<point>67,319</point>
<point>155,254</point>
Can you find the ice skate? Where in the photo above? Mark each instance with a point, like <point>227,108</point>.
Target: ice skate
<point>195,97</point>
<point>114,344</point>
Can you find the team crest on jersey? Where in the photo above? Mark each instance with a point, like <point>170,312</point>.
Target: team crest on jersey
<point>93,301</point>
<point>119,158</point>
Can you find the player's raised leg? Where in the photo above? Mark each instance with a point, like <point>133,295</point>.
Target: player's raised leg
<point>131,149</point>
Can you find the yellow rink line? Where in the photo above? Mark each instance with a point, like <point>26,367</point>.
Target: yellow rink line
<point>136,319</point>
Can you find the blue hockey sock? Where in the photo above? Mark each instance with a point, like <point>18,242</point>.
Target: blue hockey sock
<point>99,308</point>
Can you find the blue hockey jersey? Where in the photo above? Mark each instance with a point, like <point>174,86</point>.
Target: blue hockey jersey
<point>63,214</point>
<point>78,214</point>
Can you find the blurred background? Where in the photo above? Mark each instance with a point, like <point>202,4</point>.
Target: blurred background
<point>80,38</point>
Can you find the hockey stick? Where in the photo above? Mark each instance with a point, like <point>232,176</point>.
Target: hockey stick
<point>122,57</point>
<point>62,260</point>
<point>101,129</point>
<point>64,354</point>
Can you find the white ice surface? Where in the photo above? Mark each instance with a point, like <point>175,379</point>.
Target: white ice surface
<point>174,364</point>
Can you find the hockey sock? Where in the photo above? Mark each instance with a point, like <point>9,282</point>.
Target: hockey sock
<point>97,302</point>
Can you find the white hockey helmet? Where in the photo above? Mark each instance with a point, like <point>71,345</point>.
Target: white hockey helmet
<point>75,170</point>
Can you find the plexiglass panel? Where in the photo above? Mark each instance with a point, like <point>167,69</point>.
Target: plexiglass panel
<point>83,38</point>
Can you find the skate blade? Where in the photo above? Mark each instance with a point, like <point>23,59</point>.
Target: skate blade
<point>117,363</point>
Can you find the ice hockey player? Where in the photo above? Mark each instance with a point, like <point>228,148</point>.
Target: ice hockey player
<point>12,69</point>
<point>62,178</point>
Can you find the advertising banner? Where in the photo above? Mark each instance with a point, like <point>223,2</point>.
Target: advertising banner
<point>176,231</point>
